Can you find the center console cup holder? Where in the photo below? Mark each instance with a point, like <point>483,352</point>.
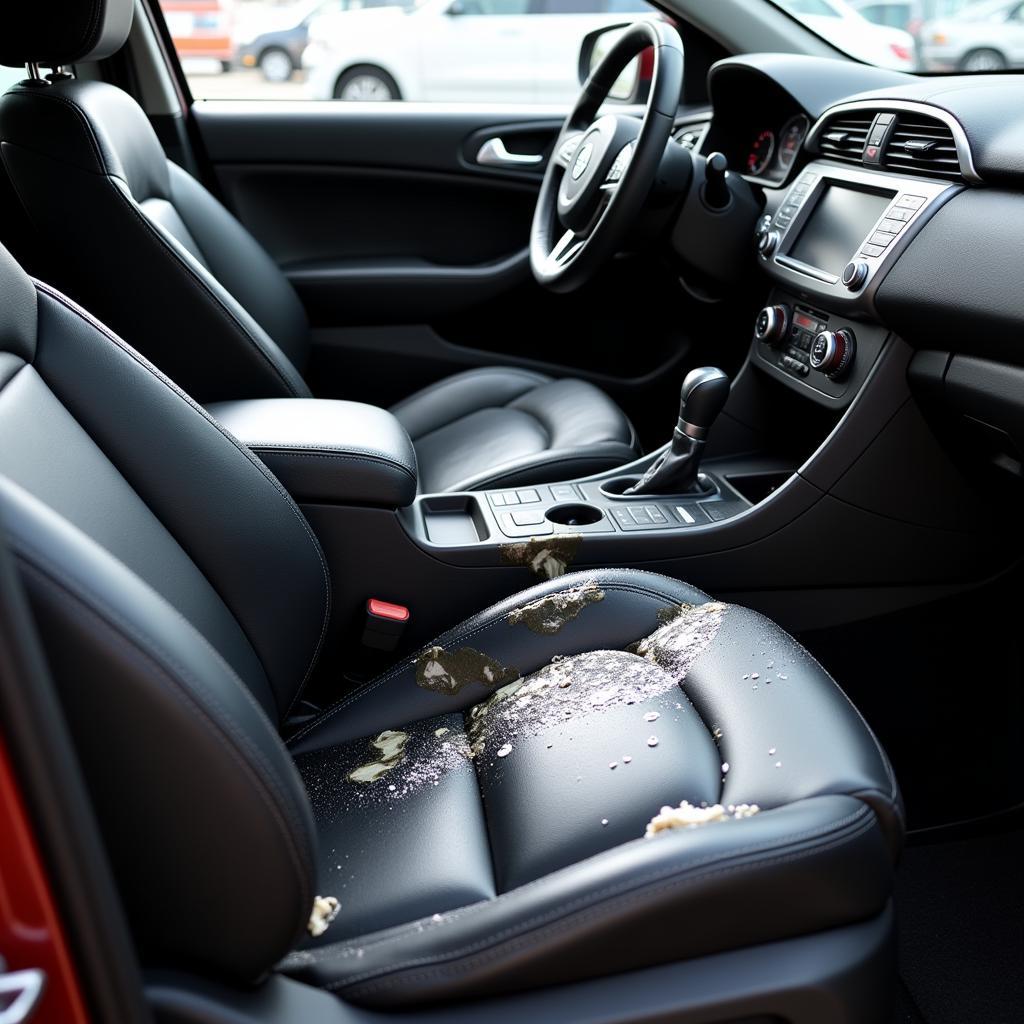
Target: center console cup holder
<point>575,515</point>
<point>614,488</point>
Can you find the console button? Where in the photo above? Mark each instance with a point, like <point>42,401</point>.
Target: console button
<point>888,224</point>
<point>656,514</point>
<point>527,518</point>
<point>911,202</point>
<point>564,492</point>
<point>512,529</point>
<point>510,497</point>
<point>899,213</point>
<point>528,496</point>
<point>623,518</point>
<point>640,516</point>
<point>882,238</point>
<point>498,499</point>
<point>872,250</point>
<point>717,511</point>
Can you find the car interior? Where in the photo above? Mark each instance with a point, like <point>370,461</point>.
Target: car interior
<point>462,562</point>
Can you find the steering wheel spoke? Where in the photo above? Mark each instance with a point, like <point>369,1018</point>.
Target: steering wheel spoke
<point>603,164</point>
<point>566,248</point>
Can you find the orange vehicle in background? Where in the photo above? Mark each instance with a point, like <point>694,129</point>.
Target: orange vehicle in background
<point>202,29</point>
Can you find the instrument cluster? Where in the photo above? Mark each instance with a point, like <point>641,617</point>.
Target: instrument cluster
<point>770,152</point>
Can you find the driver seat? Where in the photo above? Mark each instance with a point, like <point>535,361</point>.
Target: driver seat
<point>196,293</point>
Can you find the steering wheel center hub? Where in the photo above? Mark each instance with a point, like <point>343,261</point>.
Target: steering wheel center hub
<point>580,191</point>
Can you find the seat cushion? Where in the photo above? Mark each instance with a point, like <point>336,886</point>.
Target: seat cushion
<point>499,426</point>
<point>482,807</point>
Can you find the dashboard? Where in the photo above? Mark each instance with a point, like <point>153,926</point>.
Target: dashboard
<point>892,208</point>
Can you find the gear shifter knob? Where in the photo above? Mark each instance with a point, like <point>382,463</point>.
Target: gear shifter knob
<point>702,397</point>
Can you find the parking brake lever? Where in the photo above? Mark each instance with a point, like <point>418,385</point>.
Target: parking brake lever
<point>701,399</point>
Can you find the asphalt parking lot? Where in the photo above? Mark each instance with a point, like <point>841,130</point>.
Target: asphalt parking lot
<point>208,82</point>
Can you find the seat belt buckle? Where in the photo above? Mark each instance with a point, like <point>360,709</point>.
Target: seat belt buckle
<point>385,623</point>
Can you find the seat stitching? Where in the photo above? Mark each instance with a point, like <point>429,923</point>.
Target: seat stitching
<point>163,245</point>
<point>134,644</point>
<point>370,457</point>
<point>375,982</point>
<point>535,379</point>
<point>454,636</point>
<point>612,889</point>
<point>722,862</point>
<point>252,458</point>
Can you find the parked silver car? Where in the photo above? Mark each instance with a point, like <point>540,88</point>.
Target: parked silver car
<point>987,36</point>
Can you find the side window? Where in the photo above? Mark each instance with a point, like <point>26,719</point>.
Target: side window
<point>10,76</point>
<point>445,51</point>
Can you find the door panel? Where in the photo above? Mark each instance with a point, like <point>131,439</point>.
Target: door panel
<point>412,261</point>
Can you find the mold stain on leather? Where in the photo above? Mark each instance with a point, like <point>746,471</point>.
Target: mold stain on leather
<point>686,815</point>
<point>582,684</point>
<point>672,611</point>
<point>449,672</point>
<point>547,557</point>
<point>566,689</point>
<point>677,644</point>
<point>549,614</point>
<point>391,744</point>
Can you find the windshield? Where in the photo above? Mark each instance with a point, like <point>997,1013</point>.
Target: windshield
<point>919,35</point>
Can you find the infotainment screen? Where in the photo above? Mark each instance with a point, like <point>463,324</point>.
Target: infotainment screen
<point>837,226</point>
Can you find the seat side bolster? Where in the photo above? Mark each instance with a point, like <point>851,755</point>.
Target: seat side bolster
<point>173,746</point>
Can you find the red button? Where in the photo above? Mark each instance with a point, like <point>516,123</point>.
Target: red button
<point>871,152</point>
<point>384,610</point>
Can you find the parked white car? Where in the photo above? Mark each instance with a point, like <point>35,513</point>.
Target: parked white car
<point>849,31</point>
<point>986,36</point>
<point>487,51</point>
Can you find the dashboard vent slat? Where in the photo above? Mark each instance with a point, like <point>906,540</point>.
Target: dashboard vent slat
<point>845,136</point>
<point>922,145</point>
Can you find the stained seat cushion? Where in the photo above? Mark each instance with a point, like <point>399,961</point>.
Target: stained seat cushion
<point>482,807</point>
<point>500,426</point>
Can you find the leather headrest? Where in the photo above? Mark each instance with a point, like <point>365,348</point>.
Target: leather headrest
<point>54,32</point>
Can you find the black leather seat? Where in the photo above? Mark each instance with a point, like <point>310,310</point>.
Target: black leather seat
<point>186,283</point>
<point>480,809</point>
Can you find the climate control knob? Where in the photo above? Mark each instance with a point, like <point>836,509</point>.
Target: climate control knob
<point>772,325</point>
<point>832,352</point>
<point>855,273</point>
<point>767,243</point>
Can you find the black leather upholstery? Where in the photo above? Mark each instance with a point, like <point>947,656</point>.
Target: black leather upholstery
<point>189,286</point>
<point>498,426</point>
<point>344,453</point>
<point>65,31</point>
<point>545,844</point>
<point>183,599</point>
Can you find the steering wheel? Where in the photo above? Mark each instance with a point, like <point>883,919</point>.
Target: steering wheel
<point>601,171</point>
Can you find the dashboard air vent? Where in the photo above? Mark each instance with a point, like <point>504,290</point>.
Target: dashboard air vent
<point>845,135</point>
<point>922,145</point>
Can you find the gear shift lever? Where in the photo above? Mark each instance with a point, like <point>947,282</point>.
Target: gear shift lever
<point>701,399</point>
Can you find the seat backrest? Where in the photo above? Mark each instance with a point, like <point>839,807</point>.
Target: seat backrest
<point>182,599</point>
<point>132,235</point>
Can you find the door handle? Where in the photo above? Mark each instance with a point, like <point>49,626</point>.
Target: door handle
<point>25,988</point>
<point>494,154</point>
